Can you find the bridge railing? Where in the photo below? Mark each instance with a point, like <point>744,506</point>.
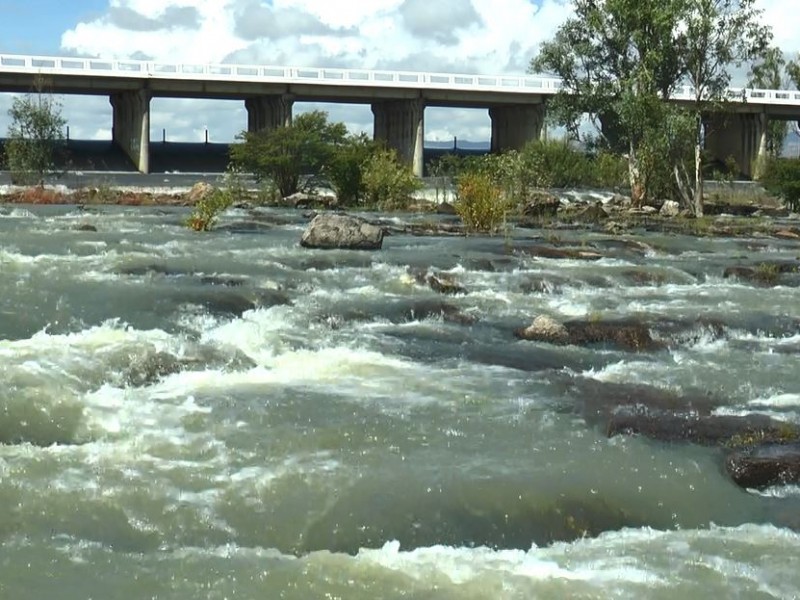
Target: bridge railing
<point>328,76</point>
<point>363,77</point>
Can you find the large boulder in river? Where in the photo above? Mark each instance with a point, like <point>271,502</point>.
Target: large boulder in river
<point>766,465</point>
<point>341,231</point>
<point>545,329</point>
<point>621,335</point>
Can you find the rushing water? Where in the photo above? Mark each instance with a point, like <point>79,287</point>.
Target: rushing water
<point>229,415</point>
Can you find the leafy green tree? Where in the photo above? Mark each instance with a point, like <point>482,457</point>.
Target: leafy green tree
<point>716,35</point>
<point>793,73</point>
<point>618,59</point>
<point>34,135</point>
<point>388,184</point>
<point>344,169</point>
<point>767,73</point>
<point>284,154</point>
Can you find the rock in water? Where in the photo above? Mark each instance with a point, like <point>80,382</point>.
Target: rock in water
<point>200,191</point>
<point>341,231</point>
<point>765,466</point>
<point>545,329</point>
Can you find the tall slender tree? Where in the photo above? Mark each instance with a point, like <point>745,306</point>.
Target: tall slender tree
<point>767,73</point>
<point>717,35</point>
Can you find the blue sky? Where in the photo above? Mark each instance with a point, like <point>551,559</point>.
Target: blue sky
<point>35,26</point>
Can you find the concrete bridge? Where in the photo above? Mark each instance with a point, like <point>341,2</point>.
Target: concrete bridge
<point>516,104</point>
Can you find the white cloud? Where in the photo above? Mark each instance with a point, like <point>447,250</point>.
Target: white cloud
<point>483,36</point>
<point>478,36</point>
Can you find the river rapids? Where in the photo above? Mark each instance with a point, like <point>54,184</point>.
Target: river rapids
<point>229,415</point>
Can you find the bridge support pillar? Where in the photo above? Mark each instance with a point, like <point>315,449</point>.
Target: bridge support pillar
<point>265,113</point>
<point>516,125</point>
<point>742,137</point>
<point>401,125</point>
<point>131,126</point>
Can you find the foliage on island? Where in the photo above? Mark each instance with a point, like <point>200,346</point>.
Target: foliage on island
<point>620,59</point>
<point>35,134</point>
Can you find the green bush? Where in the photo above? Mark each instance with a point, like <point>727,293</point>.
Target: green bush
<point>207,210</point>
<point>34,135</point>
<point>782,178</point>
<point>481,203</point>
<point>555,163</point>
<point>388,184</point>
<point>283,155</point>
<point>344,169</point>
<point>609,170</point>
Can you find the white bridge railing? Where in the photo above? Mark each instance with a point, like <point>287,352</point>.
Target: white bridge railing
<point>261,73</point>
<point>64,66</point>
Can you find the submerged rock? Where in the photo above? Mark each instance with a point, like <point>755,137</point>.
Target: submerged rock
<point>147,369</point>
<point>443,283</point>
<point>152,366</point>
<point>766,465</point>
<point>561,253</point>
<point>85,227</point>
<point>766,274</point>
<point>341,231</point>
<point>730,431</point>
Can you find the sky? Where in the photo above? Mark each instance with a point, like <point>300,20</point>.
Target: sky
<point>466,36</point>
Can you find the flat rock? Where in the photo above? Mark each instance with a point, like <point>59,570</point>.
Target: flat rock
<point>561,253</point>
<point>730,431</point>
<point>329,231</point>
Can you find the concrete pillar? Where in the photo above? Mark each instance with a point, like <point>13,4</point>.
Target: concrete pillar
<point>515,125</point>
<point>265,113</point>
<point>741,136</point>
<point>131,126</point>
<point>401,125</point>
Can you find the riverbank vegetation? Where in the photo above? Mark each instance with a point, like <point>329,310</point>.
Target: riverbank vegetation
<point>621,60</point>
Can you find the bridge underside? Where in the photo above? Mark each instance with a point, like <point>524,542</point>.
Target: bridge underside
<point>741,137</point>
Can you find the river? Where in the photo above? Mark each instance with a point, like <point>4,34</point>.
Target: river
<point>229,415</point>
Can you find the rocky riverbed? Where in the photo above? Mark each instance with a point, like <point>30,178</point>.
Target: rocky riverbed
<point>561,410</point>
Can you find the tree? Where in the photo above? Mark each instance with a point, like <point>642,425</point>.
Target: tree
<point>716,35</point>
<point>767,73</point>
<point>619,60</point>
<point>284,154</point>
<point>344,169</point>
<point>793,73</point>
<point>34,135</point>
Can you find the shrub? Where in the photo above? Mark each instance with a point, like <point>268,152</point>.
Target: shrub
<point>481,203</point>
<point>609,170</point>
<point>284,154</point>
<point>555,163</point>
<point>344,169</point>
<point>782,178</point>
<point>206,210</point>
<point>388,184</point>
<point>34,135</point>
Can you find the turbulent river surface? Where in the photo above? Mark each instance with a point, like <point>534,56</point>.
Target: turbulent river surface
<point>229,415</point>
